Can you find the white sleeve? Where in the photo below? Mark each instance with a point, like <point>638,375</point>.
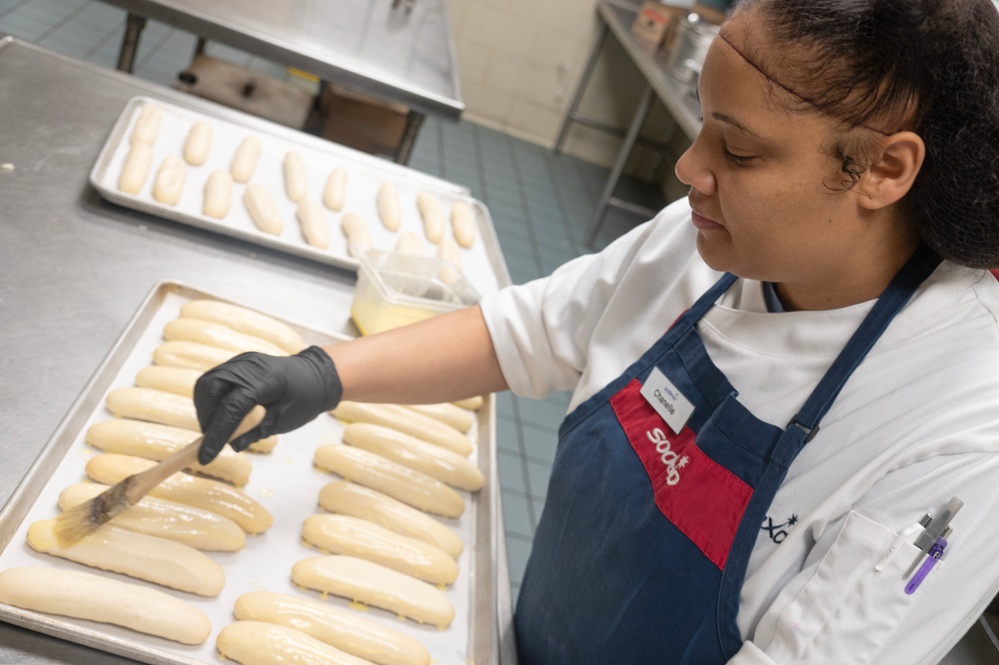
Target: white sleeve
<point>840,609</point>
<point>541,330</point>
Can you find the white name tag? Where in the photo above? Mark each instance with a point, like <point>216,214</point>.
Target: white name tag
<point>668,402</point>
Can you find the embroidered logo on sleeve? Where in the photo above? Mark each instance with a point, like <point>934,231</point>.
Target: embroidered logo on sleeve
<point>699,496</point>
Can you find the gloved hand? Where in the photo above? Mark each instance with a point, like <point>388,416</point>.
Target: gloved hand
<point>293,390</point>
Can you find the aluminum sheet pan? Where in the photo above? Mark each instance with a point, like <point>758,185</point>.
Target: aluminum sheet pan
<point>482,263</point>
<point>285,481</point>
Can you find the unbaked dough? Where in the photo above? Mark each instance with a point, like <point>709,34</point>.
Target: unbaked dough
<point>348,498</point>
<point>404,420</point>
<point>315,227</point>
<point>343,629</point>
<point>190,355</point>
<point>198,143</point>
<point>217,335</point>
<point>343,534</point>
<point>157,560</point>
<point>409,242</point>
<point>169,183</point>
<point>135,170</point>
<point>296,180</point>
<point>432,215</point>
<point>147,127</point>
<point>389,210</point>
<point>263,210</point>
<point>335,190</point>
<point>373,584</point>
<point>463,223</point>
<point>218,194</point>
<point>153,406</point>
<point>246,321</point>
<point>261,643</point>
<point>412,487</point>
<point>449,413</point>
<point>83,595</point>
<point>178,380</point>
<point>356,229</point>
<point>244,161</point>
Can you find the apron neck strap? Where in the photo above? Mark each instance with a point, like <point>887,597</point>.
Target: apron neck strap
<point>900,290</point>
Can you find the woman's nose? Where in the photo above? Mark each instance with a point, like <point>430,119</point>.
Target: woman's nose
<point>693,170</point>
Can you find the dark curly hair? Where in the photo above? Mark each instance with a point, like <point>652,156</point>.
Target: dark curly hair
<point>929,66</point>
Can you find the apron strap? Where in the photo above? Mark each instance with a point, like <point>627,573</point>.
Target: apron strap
<point>900,290</point>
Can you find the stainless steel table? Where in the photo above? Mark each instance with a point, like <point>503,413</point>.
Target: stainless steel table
<point>616,17</point>
<point>399,56</point>
<point>74,269</point>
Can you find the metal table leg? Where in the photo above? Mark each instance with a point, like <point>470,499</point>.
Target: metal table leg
<point>570,114</point>
<point>414,120</point>
<point>622,158</point>
<point>130,42</point>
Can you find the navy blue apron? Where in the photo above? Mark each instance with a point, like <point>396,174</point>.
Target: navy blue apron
<point>642,548</point>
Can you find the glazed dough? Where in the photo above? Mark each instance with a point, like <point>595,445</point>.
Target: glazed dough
<point>148,558</point>
<point>372,584</point>
<point>404,420</point>
<point>217,335</point>
<point>463,223</point>
<point>359,501</point>
<point>156,442</point>
<point>343,534</point>
<point>169,183</point>
<point>135,170</point>
<point>335,191</point>
<point>448,413</point>
<point>244,161</point>
<point>440,463</point>
<point>263,211</point>
<point>409,243</point>
<point>399,482</point>
<point>96,598</point>
<point>315,228</point>
<point>388,206</point>
<point>471,403</point>
<point>340,628</point>
<point>246,321</point>
<point>153,406</point>
<point>218,194</point>
<point>196,527</point>
<point>198,143</point>
<point>147,127</point>
<point>296,180</point>
<point>251,516</point>
<point>190,355</point>
<point>178,380</point>
<point>356,229</point>
<point>432,215</point>
<point>261,643</point>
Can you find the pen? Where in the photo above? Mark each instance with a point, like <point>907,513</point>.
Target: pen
<point>934,529</point>
<point>936,551</point>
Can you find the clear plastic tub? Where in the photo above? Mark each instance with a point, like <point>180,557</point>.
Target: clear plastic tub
<point>396,289</point>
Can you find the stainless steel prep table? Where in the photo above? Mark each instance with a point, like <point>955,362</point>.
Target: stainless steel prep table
<point>74,269</point>
<point>399,56</point>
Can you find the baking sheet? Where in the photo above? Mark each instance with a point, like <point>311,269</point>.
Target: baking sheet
<point>482,263</point>
<point>285,481</point>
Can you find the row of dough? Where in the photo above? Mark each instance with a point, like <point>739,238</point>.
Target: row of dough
<point>171,175</point>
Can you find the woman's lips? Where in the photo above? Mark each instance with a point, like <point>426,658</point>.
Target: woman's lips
<point>702,223</point>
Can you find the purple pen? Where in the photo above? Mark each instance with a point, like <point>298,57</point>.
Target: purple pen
<point>936,551</point>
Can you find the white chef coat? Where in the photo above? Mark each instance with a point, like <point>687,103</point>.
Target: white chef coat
<point>916,424</point>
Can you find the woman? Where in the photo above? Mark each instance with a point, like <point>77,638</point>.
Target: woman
<point>748,486</point>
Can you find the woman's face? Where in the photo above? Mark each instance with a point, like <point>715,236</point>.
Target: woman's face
<point>766,192</point>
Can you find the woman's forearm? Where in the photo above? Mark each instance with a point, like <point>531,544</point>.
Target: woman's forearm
<point>442,359</point>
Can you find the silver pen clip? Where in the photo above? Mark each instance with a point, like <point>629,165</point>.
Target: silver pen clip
<point>934,528</point>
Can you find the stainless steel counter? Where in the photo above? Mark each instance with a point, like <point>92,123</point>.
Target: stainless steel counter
<point>74,269</point>
<point>402,57</point>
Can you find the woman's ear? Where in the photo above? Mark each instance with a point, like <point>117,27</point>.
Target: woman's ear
<point>891,175</point>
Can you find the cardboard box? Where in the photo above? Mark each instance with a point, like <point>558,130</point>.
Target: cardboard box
<point>655,21</point>
<point>362,122</point>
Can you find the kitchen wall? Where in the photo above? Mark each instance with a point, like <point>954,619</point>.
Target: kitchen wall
<point>520,61</point>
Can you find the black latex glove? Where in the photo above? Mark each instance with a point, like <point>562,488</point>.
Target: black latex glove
<point>293,389</point>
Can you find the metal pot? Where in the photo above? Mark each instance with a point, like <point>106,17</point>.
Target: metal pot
<point>690,47</point>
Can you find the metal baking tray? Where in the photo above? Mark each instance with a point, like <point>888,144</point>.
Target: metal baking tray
<point>285,481</point>
<point>482,263</point>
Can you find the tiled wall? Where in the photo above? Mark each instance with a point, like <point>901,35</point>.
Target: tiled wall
<point>520,62</point>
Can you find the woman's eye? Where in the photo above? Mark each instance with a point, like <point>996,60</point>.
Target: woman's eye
<point>741,160</point>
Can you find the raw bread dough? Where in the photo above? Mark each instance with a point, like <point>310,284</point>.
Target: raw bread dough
<point>463,223</point>
<point>389,210</point>
<point>217,335</point>
<point>356,229</point>
<point>178,380</point>
<point>263,211</point>
<point>405,420</point>
<point>432,215</point>
<point>169,183</point>
<point>315,227</point>
<point>218,194</point>
<point>246,321</point>
<point>198,143</point>
<point>244,161</point>
<point>153,406</point>
<point>190,355</point>
<point>296,179</point>
<point>261,643</point>
<point>448,412</point>
<point>335,191</point>
<point>147,127</point>
<point>135,170</point>
<point>409,243</point>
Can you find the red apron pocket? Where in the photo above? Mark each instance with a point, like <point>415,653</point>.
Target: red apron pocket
<point>699,496</point>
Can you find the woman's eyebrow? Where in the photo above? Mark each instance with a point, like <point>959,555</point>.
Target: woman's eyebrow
<point>729,120</point>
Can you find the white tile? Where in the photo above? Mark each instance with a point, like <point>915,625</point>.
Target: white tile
<point>473,60</point>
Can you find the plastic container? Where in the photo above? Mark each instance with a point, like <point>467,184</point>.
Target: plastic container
<point>396,289</point>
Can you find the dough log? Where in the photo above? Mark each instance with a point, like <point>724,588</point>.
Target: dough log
<point>399,482</point>
<point>190,355</point>
<point>218,194</point>
<point>436,462</point>
<point>177,380</point>
<point>245,321</point>
<point>198,143</point>
<point>148,558</point>
<point>359,501</point>
<point>372,584</point>
<point>135,170</point>
<point>217,335</point>
<point>261,643</point>
<point>153,406</point>
<point>343,534</point>
<point>263,210</point>
<point>355,228</point>
<point>389,210</point>
<point>87,596</point>
<point>405,420</point>
<point>335,190</point>
<point>169,183</point>
<point>296,179</point>
<point>343,629</point>
<point>147,127</point>
<point>463,223</point>
<point>251,516</point>
<point>244,161</point>
<point>315,228</point>
<point>196,527</point>
<point>448,413</point>
<point>432,215</point>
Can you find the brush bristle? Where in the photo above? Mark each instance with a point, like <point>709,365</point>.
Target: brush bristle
<point>81,520</point>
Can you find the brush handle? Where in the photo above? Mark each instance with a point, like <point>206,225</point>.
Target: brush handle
<point>141,483</point>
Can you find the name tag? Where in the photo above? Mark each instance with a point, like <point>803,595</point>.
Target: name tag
<point>668,402</point>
